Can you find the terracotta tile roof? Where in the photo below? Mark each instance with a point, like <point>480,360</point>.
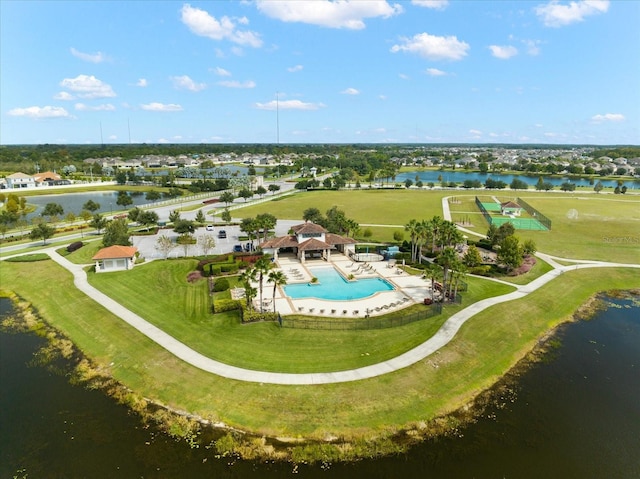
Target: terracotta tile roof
<point>313,244</point>
<point>309,227</point>
<point>281,242</point>
<point>115,252</point>
<point>333,239</point>
<point>510,204</point>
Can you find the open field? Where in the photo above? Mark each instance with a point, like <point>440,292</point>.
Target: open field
<point>485,348</point>
<point>607,227</point>
<point>181,309</point>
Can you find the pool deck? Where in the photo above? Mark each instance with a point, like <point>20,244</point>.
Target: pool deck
<point>408,289</point>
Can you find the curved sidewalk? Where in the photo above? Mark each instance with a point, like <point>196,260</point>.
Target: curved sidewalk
<point>445,334</point>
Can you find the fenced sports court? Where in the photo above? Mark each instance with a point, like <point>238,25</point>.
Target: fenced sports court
<point>529,219</point>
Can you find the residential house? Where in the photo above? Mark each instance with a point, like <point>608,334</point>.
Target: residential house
<point>20,180</point>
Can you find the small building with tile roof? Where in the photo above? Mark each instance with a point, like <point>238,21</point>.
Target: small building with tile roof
<point>115,258</point>
<point>309,240</point>
<point>510,208</point>
<point>20,180</point>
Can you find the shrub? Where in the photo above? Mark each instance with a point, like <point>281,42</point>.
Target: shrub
<point>229,268</point>
<point>483,270</point>
<point>75,246</point>
<point>223,305</point>
<point>251,316</point>
<point>221,285</point>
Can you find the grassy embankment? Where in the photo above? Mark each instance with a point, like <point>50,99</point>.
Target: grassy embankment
<point>485,348</point>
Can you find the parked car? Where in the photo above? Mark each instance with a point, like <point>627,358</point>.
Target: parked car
<point>222,234</point>
<point>209,228</point>
<point>237,248</point>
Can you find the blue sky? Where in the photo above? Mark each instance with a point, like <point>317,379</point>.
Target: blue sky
<point>319,71</point>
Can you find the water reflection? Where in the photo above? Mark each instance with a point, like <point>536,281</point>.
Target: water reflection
<point>573,416</point>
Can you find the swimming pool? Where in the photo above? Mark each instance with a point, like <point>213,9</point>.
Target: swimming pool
<point>331,285</point>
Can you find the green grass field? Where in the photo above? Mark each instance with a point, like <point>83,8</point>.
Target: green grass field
<point>486,347</point>
<point>182,310</point>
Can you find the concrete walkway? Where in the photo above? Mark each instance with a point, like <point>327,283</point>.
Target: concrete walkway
<point>445,334</point>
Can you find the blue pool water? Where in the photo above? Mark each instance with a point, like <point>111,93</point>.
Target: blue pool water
<point>334,287</point>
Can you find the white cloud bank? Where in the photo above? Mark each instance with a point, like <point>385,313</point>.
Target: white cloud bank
<point>155,106</point>
<point>142,82</point>
<point>350,91</point>
<point>433,47</point>
<point>503,52</point>
<point>237,84</point>
<point>556,14</point>
<point>204,25</point>
<point>434,72</point>
<point>97,57</point>
<point>288,105</point>
<point>434,4</point>
<point>41,112</point>
<point>184,82</point>
<point>349,14</point>
<point>615,117</point>
<point>105,107</point>
<point>88,86</point>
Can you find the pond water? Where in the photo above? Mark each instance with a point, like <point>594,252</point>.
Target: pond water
<point>72,202</point>
<point>427,176</point>
<point>575,415</point>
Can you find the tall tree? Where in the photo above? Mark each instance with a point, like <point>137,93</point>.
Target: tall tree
<point>98,222</point>
<point>227,197</point>
<point>164,244</point>
<point>91,206</point>
<point>510,253</point>
<point>116,233</point>
<point>262,267</point>
<point>448,260</point>
<point>42,231</point>
<point>412,227</point>
<point>278,278</point>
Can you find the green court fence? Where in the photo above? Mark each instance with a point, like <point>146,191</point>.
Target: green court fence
<point>350,324</point>
<point>546,222</point>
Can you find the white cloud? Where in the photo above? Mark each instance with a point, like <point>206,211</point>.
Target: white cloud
<point>434,72</point>
<point>113,137</point>
<point>185,83</point>
<point>504,52</point>
<point>294,69</point>
<point>142,82</point>
<point>86,86</point>
<point>435,4</point>
<point>105,107</point>
<point>382,97</point>
<point>556,14</point>
<point>204,25</point>
<point>288,105</point>
<point>350,91</point>
<point>221,72</point>
<point>97,57</point>
<point>63,95</point>
<point>348,14</point>
<point>608,117</point>
<point>403,76</point>
<point>40,112</point>
<point>237,84</point>
<point>155,106</point>
<point>533,47</point>
<point>433,47</point>
<point>475,132</point>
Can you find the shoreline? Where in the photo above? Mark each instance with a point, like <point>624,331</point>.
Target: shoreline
<point>248,445</point>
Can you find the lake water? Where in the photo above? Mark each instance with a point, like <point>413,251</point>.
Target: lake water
<point>575,415</point>
<point>72,202</point>
<point>427,176</point>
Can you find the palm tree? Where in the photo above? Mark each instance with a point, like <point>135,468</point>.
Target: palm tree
<point>261,267</point>
<point>432,271</point>
<point>447,259</point>
<point>278,278</point>
<point>435,225</point>
<point>412,228</point>
<point>246,277</point>
<point>459,274</point>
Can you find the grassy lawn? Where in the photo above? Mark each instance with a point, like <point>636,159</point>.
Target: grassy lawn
<point>484,349</point>
<point>182,310</point>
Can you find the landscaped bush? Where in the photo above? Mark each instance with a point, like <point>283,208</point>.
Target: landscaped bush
<point>28,258</point>
<point>229,268</point>
<point>483,270</point>
<point>528,262</point>
<point>251,316</point>
<point>75,246</point>
<point>223,305</point>
<point>221,285</point>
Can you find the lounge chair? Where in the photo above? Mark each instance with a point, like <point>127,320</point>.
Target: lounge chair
<point>322,311</point>
<point>344,311</point>
<point>333,311</point>
<point>300,308</point>
<point>356,312</point>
